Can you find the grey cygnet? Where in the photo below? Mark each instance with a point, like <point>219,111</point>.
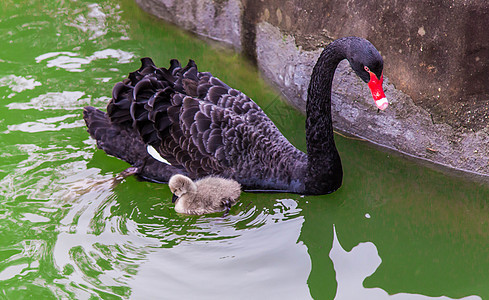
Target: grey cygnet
<point>207,195</point>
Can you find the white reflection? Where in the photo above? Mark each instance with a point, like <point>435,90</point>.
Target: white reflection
<point>48,124</point>
<point>18,83</point>
<point>73,62</point>
<point>53,54</point>
<point>123,57</point>
<point>96,20</point>
<point>68,62</point>
<point>34,218</point>
<point>362,261</point>
<point>12,271</point>
<point>24,262</point>
<point>59,100</point>
<point>93,23</point>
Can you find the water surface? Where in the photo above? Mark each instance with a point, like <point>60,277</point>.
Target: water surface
<point>68,232</point>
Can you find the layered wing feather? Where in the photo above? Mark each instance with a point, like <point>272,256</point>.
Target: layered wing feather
<point>198,123</point>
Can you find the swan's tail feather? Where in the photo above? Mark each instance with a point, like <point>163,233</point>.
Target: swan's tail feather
<point>126,144</point>
<point>114,139</point>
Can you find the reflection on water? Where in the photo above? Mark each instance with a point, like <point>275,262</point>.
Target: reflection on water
<point>70,230</point>
<point>98,249</point>
<point>48,124</point>
<point>60,100</point>
<point>93,22</point>
<point>73,63</point>
<point>19,83</point>
<point>354,266</point>
<point>235,261</point>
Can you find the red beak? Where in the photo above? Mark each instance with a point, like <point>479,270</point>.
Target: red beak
<point>375,86</point>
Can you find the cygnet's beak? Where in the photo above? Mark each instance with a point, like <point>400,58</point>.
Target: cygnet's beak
<point>174,198</point>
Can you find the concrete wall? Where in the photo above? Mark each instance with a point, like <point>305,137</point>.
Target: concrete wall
<point>436,57</point>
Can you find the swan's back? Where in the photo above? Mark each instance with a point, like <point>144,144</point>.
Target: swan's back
<point>203,127</point>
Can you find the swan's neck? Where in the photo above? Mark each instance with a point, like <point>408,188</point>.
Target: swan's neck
<point>324,171</point>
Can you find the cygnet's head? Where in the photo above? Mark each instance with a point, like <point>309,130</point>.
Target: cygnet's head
<point>181,185</point>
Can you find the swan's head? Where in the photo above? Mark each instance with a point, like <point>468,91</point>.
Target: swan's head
<point>181,185</point>
<point>368,64</point>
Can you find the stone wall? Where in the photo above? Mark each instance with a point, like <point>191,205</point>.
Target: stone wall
<point>436,57</point>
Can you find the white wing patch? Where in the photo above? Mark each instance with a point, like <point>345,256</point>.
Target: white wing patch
<point>152,151</point>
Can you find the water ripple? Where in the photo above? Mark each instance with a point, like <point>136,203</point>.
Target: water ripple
<point>93,22</point>
<point>19,83</point>
<point>107,245</point>
<point>251,243</point>
<point>65,100</point>
<point>73,62</point>
<point>48,124</point>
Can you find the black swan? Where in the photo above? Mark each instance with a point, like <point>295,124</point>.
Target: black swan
<point>207,195</point>
<point>199,126</point>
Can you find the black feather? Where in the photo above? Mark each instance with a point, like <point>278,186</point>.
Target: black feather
<point>216,92</point>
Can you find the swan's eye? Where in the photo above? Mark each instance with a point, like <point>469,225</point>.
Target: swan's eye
<point>366,68</point>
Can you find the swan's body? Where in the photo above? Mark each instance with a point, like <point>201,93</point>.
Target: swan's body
<point>202,127</point>
<point>207,195</point>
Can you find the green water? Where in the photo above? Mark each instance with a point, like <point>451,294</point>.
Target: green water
<point>66,232</point>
